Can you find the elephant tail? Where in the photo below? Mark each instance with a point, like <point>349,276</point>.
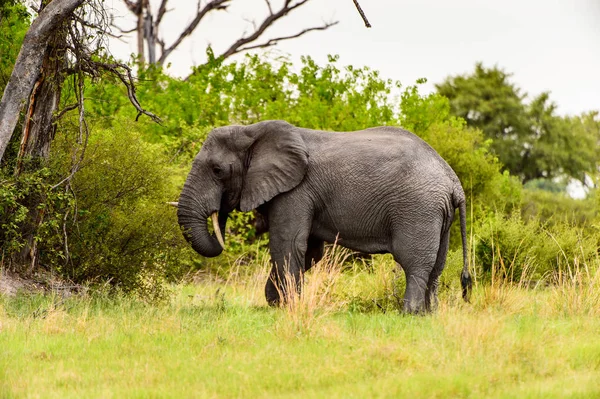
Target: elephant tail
<point>465,277</point>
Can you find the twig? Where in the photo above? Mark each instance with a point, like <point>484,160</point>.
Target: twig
<point>287,7</point>
<point>202,11</point>
<point>162,9</point>
<point>273,42</point>
<point>64,111</point>
<point>362,14</point>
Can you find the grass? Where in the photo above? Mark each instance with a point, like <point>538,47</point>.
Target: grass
<point>342,338</point>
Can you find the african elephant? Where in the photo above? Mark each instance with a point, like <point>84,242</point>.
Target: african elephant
<point>378,190</point>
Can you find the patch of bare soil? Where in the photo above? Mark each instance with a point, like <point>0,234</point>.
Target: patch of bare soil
<point>12,283</point>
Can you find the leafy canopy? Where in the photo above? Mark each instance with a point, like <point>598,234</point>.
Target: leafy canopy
<point>530,140</point>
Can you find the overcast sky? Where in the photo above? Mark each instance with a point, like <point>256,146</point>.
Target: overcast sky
<point>547,45</point>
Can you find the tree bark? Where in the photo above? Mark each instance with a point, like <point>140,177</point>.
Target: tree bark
<point>28,65</point>
<point>39,127</point>
<point>140,30</point>
<point>150,37</point>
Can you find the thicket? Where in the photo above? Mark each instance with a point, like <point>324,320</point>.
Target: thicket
<point>113,224</point>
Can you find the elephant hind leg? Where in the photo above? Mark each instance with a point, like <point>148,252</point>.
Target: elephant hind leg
<point>431,299</point>
<point>417,255</point>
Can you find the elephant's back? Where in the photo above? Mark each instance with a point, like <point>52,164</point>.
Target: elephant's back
<point>377,153</point>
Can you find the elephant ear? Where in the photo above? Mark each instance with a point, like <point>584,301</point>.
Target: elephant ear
<point>277,162</point>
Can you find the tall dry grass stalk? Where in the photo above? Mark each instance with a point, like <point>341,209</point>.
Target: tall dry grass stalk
<point>506,289</point>
<point>317,298</point>
<point>575,287</point>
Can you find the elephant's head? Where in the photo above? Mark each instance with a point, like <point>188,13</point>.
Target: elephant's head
<point>238,167</point>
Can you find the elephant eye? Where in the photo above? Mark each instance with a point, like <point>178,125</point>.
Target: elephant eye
<point>217,170</point>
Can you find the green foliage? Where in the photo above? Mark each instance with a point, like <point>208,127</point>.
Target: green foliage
<point>122,230</point>
<point>320,97</point>
<point>112,224</point>
<point>14,22</point>
<point>530,140</point>
<point>517,249</point>
<point>551,208</point>
<point>30,207</point>
<point>326,98</point>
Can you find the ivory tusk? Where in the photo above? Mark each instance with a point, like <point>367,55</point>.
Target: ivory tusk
<point>175,204</point>
<point>217,229</point>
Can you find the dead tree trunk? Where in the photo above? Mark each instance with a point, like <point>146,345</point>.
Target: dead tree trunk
<point>39,128</point>
<point>36,82</point>
<point>26,71</point>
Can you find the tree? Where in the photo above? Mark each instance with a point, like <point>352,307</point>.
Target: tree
<point>62,41</point>
<point>58,45</point>
<point>556,146</point>
<point>487,100</point>
<point>148,27</point>
<point>530,140</point>
<point>28,65</point>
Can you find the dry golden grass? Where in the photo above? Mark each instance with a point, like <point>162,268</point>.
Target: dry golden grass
<point>316,300</point>
<point>342,337</point>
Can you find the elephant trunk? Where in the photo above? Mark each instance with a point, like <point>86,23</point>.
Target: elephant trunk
<point>193,218</point>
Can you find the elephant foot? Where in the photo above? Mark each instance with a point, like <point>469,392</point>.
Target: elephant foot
<point>415,307</point>
<point>272,294</point>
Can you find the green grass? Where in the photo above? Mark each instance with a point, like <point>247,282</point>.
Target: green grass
<point>218,339</point>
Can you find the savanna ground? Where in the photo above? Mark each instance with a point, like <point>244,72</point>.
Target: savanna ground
<point>215,337</point>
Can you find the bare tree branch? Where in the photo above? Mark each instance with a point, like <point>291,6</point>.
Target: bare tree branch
<point>141,9</point>
<point>287,7</point>
<point>127,79</point>
<point>123,31</point>
<point>64,111</point>
<point>274,41</point>
<point>84,132</point>
<point>162,9</point>
<point>269,6</point>
<point>362,14</point>
<point>202,11</point>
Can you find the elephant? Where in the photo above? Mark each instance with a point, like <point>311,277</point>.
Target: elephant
<point>378,190</point>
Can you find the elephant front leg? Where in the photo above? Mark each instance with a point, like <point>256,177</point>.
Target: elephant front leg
<point>285,279</point>
<point>288,246</point>
<point>314,252</point>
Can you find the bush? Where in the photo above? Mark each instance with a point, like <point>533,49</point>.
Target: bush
<point>112,223</point>
<point>553,208</point>
<point>516,249</point>
<point>31,214</point>
<point>123,231</point>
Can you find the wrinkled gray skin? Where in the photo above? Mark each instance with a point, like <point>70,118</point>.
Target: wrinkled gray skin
<point>379,190</point>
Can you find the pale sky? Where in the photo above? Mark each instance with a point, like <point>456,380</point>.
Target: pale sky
<point>547,45</point>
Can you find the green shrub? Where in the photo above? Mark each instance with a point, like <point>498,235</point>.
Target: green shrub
<point>123,230</point>
<point>31,214</point>
<point>512,248</point>
<point>554,208</point>
<point>112,224</point>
